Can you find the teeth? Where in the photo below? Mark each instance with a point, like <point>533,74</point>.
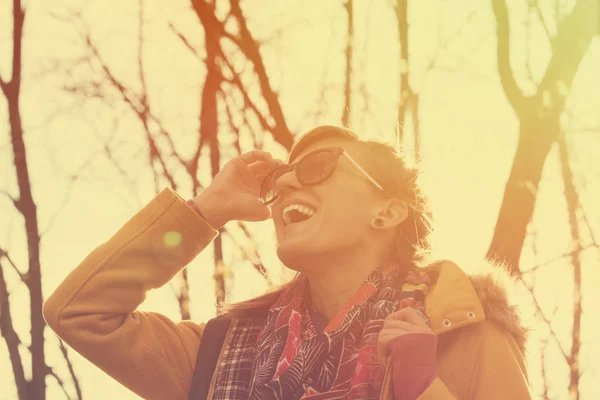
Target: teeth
<point>308,211</point>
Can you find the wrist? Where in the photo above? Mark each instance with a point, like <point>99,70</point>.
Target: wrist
<point>210,209</point>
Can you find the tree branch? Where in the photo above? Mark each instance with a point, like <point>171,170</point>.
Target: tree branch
<point>3,86</point>
<point>185,42</point>
<point>12,199</point>
<point>250,48</point>
<point>573,37</point>
<point>11,338</point>
<point>511,89</point>
<point>23,276</point>
<point>538,11</point>
<point>573,204</point>
<point>136,104</point>
<point>74,378</point>
<point>251,254</point>
<point>547,321</point>
<point>445,44</point>
<point>60,382</point>
<point>558,258</point>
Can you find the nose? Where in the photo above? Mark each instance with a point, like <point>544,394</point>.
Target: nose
<point>287,182</point>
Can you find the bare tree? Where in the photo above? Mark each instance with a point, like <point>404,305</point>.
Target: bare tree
<point>35,387</point>
<point>577,220</point>
<point>539,117</point>
<point>220,74</point>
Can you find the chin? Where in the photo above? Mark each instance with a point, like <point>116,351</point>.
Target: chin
<point>296,256</point>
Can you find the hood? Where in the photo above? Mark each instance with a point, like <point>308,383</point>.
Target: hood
<point>475,292</point>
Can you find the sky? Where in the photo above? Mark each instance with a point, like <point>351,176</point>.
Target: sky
<point>469,134</point>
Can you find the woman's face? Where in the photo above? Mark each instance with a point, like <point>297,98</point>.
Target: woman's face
<point>343,208</point>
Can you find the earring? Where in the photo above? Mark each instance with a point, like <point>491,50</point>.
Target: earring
<point>378,221</point>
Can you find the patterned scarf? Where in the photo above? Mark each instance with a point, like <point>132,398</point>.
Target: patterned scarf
<point>286,358</point>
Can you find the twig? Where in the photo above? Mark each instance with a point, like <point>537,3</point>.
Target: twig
<point>558,258</point>
<point>536,6</point>
<point>12,199</point>
<point>59,381</point>
<point>434,62</point>
<point>543,366</point>
<point>546,320</point>
<point>137,105</point>
<point>186,43</point>
<point>22,275</point>
<point>63,350</point>
<point>256,260</point>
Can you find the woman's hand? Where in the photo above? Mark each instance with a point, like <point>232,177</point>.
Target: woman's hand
<point>411,346</point>
<point>233,193</point>
<point>397,324</point>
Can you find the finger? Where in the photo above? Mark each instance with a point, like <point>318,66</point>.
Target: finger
<point>408,314</point>
<point>256,155</point>
<point>261,169</point>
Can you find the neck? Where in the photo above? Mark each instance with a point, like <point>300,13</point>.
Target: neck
<point>332,282</point>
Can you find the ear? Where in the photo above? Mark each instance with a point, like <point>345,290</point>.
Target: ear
<point>392,212</point>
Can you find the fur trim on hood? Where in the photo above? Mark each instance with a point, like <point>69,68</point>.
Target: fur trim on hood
<point>503,298</point>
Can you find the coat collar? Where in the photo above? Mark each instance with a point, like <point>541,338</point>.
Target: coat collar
<point>457,300</point>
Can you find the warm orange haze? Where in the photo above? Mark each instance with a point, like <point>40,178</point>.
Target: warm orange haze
<point>114,114</point>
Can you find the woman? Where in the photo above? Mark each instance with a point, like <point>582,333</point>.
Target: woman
<point>363,319</point>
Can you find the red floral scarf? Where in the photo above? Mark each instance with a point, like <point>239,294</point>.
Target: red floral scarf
<point>292,360</point>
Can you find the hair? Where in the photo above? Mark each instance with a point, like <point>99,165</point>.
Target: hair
<point>398,179</point>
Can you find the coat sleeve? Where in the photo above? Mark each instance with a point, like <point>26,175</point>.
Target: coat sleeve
<point>499,371</point>
<point>94,309</point>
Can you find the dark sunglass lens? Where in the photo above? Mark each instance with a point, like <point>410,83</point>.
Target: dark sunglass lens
<point>268,192</point>
<point>317,167</point>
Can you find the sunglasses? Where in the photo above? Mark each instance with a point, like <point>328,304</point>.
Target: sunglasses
<point>316,167</point>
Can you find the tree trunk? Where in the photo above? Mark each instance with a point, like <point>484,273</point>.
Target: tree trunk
<point>27,207</point>
<point>347,84</point>
<point>409,100</point>
<point>209,128</point>
<point>535,140</point>
<point>539,118</point>
<point>405,92</point>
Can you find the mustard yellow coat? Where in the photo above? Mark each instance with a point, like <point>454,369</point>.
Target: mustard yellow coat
<point>480,339</point>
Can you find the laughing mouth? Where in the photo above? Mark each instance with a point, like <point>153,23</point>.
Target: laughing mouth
<point>295,213</point>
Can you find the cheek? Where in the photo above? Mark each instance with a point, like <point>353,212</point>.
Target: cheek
<point>348,208</point>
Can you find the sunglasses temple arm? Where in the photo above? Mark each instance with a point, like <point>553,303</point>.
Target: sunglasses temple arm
<point>365,173</point>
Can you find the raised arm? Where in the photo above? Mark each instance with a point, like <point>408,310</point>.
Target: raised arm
<point>93,310</point>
